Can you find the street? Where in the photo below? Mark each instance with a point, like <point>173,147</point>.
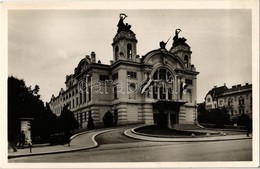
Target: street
<point>233,150</point>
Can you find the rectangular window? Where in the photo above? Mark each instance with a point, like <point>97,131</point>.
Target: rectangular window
<point>131,74</point>
<point>155,92</point>
<point>103,77</point>
<point>84,97</point>
<point>208,100</point>
<point>169,94</point>
<point>80,98</point>
<point>162,93</point>
<point>77,101</point>
<point>162,74</point>
<point>73,104</point>
<point>89,93</point>
<point>188,81</point>
<point>115,76</point>
<point>115,92</point>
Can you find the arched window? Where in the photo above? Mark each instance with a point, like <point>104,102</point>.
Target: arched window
<point>129,51</point>
<point>164,89</point>
<point>186,60</point>
<point>116,52</point>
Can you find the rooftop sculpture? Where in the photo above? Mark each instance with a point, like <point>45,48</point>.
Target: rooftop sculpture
<point>177,40</point>
<point>121,25</point>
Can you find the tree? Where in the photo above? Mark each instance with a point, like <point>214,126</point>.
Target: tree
<point>221,117</point>
<point>67,121</point>
<point>25,102</point>
<point>243,120</point>
<point>22,102</point>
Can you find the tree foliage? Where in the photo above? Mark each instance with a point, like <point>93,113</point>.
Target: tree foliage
<point>218,116</point>
<point>67,121</point>
<point>25,102</point>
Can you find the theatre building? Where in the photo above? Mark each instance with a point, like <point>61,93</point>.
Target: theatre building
<point>158,88</point>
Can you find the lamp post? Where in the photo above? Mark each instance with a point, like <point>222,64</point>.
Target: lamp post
<point>196,114</point>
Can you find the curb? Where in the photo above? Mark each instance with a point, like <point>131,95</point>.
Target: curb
<point>65,151</point>
<point>158,139</point>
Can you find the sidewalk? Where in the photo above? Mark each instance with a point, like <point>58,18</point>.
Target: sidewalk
<point>81,141</point>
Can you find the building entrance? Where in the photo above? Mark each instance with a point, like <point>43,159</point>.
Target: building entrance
<point>166,113</point>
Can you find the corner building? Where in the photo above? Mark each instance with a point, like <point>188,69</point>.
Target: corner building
<point>157,88</point>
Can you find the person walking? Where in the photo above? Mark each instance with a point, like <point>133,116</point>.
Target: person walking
<point>21,140</point>
<point>12,141</point>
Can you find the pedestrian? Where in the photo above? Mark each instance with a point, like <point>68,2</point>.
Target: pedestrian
<point>21,140</point>
<point>248,127</point>
<point>12,141</point>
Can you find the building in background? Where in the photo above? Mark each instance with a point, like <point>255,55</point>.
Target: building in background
<point>237,99</point>
<point>159,87</point>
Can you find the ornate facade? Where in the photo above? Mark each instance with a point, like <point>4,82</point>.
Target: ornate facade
<point>159,87</point>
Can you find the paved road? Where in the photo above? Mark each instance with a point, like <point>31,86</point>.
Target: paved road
<point>233,150</point>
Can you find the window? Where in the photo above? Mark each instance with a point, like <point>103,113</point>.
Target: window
<point>162,93</point>
<point>77,101</point>
<point>115,92</point>
<point>80,98</point>
<point>170,94</point>
<point>129,51</point>
<point>208,100</point>
<point>186,60</point>
<point>165,91</point>
<point>241,111</point>
<point>84,97</point>
<point>116,52</point>
<point>162,74</point>
<point>188,81</point>
<point>131,74</point>
<point>73,104</point>
<point>103,77</point>
<point>241,101</point>
<point>89,93</point>
<point>115,76</point>
<point>155,92</point>
<point>230,101</point>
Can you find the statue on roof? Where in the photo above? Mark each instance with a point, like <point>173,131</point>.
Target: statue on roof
<point>163,44</point>
<point>121,25</point>
<point>177,40</point>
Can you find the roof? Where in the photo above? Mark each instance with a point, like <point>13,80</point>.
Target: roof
<point>223,90</point>
<point>216,91</point>
<point>238,89</point>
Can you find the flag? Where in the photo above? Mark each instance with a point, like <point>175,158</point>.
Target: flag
<point>146,85</point>
<point>184,88</point>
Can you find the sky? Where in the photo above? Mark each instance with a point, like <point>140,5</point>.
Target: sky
<point>46,45</point>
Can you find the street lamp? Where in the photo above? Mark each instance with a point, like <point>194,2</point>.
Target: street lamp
<point>196,115</point>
